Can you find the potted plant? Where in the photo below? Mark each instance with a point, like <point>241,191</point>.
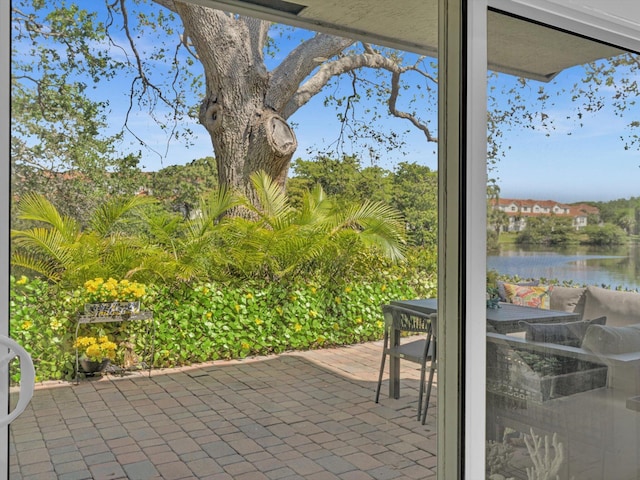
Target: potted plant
<point>95,353</point>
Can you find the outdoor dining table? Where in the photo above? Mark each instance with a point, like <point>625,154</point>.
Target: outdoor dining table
<point>505,319</point>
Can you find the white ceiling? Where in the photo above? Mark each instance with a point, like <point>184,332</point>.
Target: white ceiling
<point>514,46</point>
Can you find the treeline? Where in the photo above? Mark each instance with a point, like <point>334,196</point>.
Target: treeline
<point>624,213</point>
<point>560,231</point>
<point>409,188</point>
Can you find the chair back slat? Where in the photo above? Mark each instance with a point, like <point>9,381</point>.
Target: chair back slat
<point>406,320</point>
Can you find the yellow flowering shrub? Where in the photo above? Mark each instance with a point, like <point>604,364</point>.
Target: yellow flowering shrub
<point>96,349</point>
<point>112,290</point>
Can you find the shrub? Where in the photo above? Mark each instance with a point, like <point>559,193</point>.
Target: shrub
<point>206,321</point>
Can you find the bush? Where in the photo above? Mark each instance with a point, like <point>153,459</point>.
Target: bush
<point>608,234</point>
<point>206,321</point>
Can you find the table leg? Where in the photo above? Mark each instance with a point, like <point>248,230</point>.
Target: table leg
<point>394,367</point>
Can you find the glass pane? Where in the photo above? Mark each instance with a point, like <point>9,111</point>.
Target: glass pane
<point>110,103</point>
<point>563,307</point>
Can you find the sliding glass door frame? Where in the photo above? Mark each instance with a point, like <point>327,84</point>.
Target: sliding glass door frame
<point>5,195</point>
<point>573,20</point>
<point>462,66</point>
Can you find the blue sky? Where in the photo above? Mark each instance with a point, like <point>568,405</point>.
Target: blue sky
<point>569,164</point>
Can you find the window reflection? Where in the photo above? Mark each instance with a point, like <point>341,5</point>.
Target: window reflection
<point>563,385</point>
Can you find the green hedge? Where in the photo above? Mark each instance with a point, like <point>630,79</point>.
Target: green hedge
<point>203,322</point>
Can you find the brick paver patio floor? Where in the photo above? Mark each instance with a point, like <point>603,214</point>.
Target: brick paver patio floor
<point>307,415</point>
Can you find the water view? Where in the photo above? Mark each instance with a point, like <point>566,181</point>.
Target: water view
<point>602,266</point>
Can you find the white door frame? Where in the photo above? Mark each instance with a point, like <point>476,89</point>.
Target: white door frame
<point>574,19</point>
<point>5,136</point>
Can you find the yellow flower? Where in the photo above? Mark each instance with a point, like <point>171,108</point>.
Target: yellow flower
<point>314,289</point>
<point>245,346</point>
<point>320,339</point>
<point>379,324</point>
<point>258,321</point>
<point>358,320</point>
<point>336,326</point>
<point>338,300</point>
<point>205,290</point>
<point>209,315</point>
<point>55,324</point>
<point>383,288</point>
<point>347,289</point>
<point>313,313</point>
<point>237,308</point>
<point>293,298</point>
<point>113,290</point>
<point>96,349</point>
<point>297,327</point>
<point>26,325</point>
<point>93,351</point>
<point>22,280</point>
<point>249,295</point>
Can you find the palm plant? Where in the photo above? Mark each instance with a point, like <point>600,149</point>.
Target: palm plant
<point>59,249</point>
<point>186,250</point>
<point>322,236</point>
<point>272,241</point>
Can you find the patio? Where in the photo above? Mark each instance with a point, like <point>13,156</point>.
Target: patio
<point>304,415</point>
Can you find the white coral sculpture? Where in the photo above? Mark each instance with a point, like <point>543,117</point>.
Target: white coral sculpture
<point>546,464</point>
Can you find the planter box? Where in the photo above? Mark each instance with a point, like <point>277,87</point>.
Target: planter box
<point>539,378</point>
<point>111,309</point>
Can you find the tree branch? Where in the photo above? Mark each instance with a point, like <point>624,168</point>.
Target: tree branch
<point>297,66</point>
<point>395,88</point>
<point>350,63</point>
<point>258,34</point>
<point>168,4</point>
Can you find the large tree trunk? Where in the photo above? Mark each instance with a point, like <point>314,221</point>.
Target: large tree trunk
<point>245,109</point>
<point>247,134</point>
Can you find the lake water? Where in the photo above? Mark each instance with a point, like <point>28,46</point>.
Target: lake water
<point>602,266</point>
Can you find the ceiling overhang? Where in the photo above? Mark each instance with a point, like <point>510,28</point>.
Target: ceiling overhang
<point>516,47</point>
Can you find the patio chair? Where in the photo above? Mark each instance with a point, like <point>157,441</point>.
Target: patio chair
<point>434,363</point>
<point>401,320</point>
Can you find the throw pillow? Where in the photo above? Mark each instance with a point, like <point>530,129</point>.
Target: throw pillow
<point>568,299</point>
<point>503,294</point>
<point>606,339</point>
<point>621,308</point>
<point>570,333</point>
<point>537,297</point>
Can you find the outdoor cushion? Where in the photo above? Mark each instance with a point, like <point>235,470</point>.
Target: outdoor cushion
<point>620,308</point>
<point>567,299</point>
<point>570,333</point>
<point>537,297</point>
<point>503,294</point>
<point>607,339</point>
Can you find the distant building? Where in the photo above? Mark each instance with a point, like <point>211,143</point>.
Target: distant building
<point>518,211</point>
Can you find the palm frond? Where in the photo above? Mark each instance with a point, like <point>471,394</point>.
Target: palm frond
<point>36,207</point>
<point>218,202</point>
<point>315,207</point>
<point>107,215</point>
<point>42,267</point>
<point>274,204</point>
<point>45,243</point>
